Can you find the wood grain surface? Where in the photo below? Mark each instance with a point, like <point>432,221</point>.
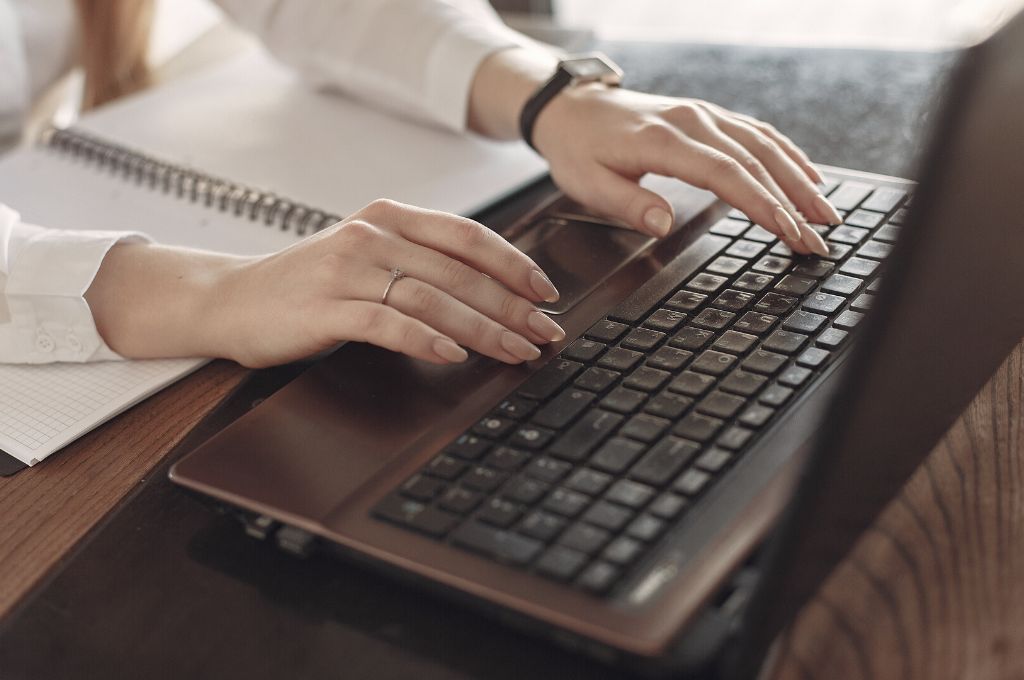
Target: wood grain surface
<point>48,508</point>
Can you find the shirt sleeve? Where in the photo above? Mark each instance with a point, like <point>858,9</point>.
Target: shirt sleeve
<point>413,57</point>
<point>44,274</point>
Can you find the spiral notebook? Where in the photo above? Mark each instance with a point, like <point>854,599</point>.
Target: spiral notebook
<point>243,158</point>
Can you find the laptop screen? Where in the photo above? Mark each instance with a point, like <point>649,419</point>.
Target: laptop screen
<point>951,308</point>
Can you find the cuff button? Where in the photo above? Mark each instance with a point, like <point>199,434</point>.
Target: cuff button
<point>45,343</point>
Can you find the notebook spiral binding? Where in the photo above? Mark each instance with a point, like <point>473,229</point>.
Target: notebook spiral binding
<point>188,184</point>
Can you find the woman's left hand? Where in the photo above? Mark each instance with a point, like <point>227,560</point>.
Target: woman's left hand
<point>600,141</point>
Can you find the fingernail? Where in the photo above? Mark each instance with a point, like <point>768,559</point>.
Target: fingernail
<point>449,351</point>
<point>817,176</point>
<point>518,346</point>
<point>544,326</point>
<point>817,244</point>
<point>542,286</point>
<point>658,221</point>
<point>787,224</point>
<point>827,209</point>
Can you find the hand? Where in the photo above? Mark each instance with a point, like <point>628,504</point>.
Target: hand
<point>463,285</point>
<point>600,141</point>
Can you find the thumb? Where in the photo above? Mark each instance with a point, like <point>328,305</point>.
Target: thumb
<point>612,195</point>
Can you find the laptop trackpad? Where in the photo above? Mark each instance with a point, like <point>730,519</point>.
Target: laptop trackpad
<point>578,256</point>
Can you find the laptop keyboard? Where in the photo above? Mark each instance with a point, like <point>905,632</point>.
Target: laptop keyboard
<point>578,472</point>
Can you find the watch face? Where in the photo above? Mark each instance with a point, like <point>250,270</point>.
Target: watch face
<point>589,69</point>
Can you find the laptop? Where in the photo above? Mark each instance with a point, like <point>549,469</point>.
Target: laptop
<point>668,486</point>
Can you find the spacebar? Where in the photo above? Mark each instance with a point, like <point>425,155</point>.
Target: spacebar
<point>642,302</point>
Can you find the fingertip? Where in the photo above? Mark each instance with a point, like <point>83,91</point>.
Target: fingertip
<point>658,221</point>
<point>542,286</point>
<point>447,350</point>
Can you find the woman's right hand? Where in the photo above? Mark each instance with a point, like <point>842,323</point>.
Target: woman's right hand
<point>463,285</point>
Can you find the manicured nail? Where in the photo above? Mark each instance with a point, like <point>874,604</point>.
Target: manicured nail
<point>544,326</point>
<point>449,351</point>
<point>787,224</point>
<point>518,346</point>
<point>816,174</point>
<point>658,221</point>
<point>827,210</point>
<point>814,241</point>
<point>542,286</point>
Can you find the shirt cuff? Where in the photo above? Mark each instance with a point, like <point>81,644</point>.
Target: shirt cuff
<point>48,273</point>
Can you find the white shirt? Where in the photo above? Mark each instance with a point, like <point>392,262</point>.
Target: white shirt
<point>416,57</point>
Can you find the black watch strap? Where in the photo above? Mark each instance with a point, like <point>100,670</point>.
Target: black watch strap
<point>584,68</point>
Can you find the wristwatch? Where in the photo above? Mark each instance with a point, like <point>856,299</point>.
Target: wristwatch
<point>576,69</point>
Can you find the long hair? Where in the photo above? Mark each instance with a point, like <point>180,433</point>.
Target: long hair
<point>115,40</point>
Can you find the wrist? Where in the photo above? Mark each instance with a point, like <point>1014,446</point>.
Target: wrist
<point>501,87</point>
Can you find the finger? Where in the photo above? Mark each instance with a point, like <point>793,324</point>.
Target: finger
<point>459,321</point>
<point>388,328</point>
<point>476,290</point>
<point>612,195</point>
<point>787,145</point>
<point>784,170</point>
<point>467,241</point>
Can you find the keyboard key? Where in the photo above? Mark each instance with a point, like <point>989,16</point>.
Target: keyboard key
<point>831,338</point>
<point>795,376</point>
<point>606,331</point>
<point>583,350</point>
<point>607,516</point>
<point>622,551</point>
<point>848,319</point>
<point>646,379</point>
<point>585,434</point>
<point>743,382</point>
<point>837,251</point>
<point>623,400</point>
<point>775,395</point>
<point>841,284</point>
<point>713,460</point>
<point>584,538</point>
<point>862,302</point>
<point>734,437</point>
<point>483,479</point>
<point>720,405</point>
<point>756,415</point>
<point>561,563</point>
<point>763,361</point>
<point>738,214</point>
<point>588,481</point>
<point>645,527</point>
<point>597,379</point>
<point>643,339</point>
<point>691,338</point>
<point>760,234</point>
<point>698,427</point>
<point>629,493</point>
<point>549,378</point>
<point>665,320</point>
<point>620,359</point>
<point>706,283</point>
<point>664,460</point>
<point>781,249</point>
<point>548,469</point>
<point>786,342</point>
<point>507,458</point>
<point>889,232</point>
<point>686,300</point>
<point>804,322</point>
<point>875,285</point>
<point>415,515</point>
<point>669,358</point>
<point>773,264</point>
<point>794,285</point>
<point>899,217</point>
<point>647,428</point>
<point>516,407</point>
<point>445,467</point>
<point>814,268</point>
<point>824,303</point>
<point>563,409</point>
<point>422,488</point>
<point>668,405</point>
<point>692,384</point>
<point>813,357</point>
<point>756,323</point>
<point>617,454</point>
<point>460,501</point>
<point>735,342</point>
<point>858,266</point>
<point>729,227</point>
<point>692,482</point>
<point>530,437</point>
<point>864,218</point>
<point>542,526</point>
<point>726,265</point>
<point>565,502</point>
<point>668,505</point>
<point>849,195</point>
<point>753,282</point>
<point>876,250</point>
<point>468,447</point>
<point>847,234</point>
<point>884,199</point>
<point>494,427</point>
<point>713,362</point>
<point>496,543</point>
<point>775,304</point>
<point>733,300</point>
<point>745,249</point>
<point>500,512</point>
<point>713,318</point>
<point>598,578</point>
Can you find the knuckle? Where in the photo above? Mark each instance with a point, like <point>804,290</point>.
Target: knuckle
<point>381,208</point>
<point>687,114</point>
<point>457,274</point>
<point>656,134</point>
<point>511,308</point>
<point>372,320</point>
<point>358,232</point>
<point>722,167</point>
<point>469,233</point>
<point>424,298</point>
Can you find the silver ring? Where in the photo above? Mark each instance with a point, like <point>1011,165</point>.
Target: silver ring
<point>396,274</point>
